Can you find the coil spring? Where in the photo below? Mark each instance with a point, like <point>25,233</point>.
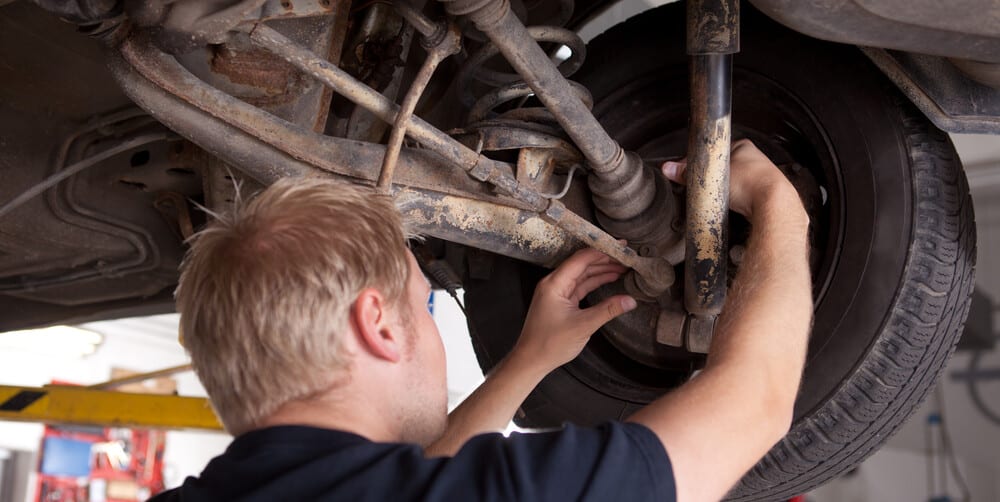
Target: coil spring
<point>509,86</point>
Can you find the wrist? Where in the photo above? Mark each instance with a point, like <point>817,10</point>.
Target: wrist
<point>525,363</point>
<point>780,207</point>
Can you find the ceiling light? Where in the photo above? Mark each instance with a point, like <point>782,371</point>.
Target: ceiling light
<point>54,340</point>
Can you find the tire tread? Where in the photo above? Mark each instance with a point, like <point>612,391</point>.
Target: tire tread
<point>918,338</point>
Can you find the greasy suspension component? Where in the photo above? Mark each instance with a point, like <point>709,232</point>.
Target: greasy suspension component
<point>650,276</point>
<point>626,192</point>
<point>712,38</point>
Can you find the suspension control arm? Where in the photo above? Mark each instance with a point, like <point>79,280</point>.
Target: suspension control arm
<point>310,154</point>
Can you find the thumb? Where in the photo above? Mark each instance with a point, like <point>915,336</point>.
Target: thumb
<point>600,314</point>
<point>674,170</point>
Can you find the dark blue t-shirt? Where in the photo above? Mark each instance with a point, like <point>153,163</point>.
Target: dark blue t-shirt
<point>615,461</point>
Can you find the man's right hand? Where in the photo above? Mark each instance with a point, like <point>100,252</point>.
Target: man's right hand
<point>753,180</point>
<point>726,418</point>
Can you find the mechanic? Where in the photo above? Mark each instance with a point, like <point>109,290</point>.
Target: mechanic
<point>306,320</point>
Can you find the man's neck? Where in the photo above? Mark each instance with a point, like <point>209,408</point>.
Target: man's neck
<point>340,410</point>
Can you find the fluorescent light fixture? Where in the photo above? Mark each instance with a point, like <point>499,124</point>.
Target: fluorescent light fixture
<point>54,340</point>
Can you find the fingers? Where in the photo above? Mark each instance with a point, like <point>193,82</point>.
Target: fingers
<point>674,170</point>
<point>600,314</point>
<point>593,282</point>
<point>575,266</point>
<point>585,282</point>
<point>601,268</point>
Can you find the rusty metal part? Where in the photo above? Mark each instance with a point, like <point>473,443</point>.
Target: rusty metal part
<point>698,332</point>
<point>496,20</point>
<point>670,327</point>
<point>247,72</point>
<point>430,30</point>
<point>262,161</point>
<point>500,229</point>
<point>158,83</point>
<point>624,188</point>
<point>708,185</point>
<point>478,166</point>
<point>651,276</point>
<point>482,108</point>
<point>294,150</point>
<point>483,221</point>
<point>272,79</point>
<point>568,184</point>
<point>284,9</point>
<point>539,154</point>
<point>184,25</point>
<point>374,54</point>
<point>439,48</point>
<point>474,67</point>
<point>713,27</point>
<point>713,34</point>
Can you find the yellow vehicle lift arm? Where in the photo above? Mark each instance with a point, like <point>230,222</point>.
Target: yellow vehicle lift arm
<point>71,405</point>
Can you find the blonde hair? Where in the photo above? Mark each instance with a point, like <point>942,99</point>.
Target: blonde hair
<point>264,292</point>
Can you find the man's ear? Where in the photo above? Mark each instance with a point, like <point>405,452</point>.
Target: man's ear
<point>372,321</point>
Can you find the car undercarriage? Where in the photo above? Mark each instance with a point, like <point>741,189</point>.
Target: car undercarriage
<point>511,142</point>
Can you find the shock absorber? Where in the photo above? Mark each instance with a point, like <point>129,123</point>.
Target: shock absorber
<point>712,39</point>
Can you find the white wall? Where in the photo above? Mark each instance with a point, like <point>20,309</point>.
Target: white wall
<point>616,13</point>
<point>464,374</point>
<point>895,475</point>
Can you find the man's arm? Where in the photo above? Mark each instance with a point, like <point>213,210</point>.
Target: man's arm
<point>547,341</point>
<point>719,424</point>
